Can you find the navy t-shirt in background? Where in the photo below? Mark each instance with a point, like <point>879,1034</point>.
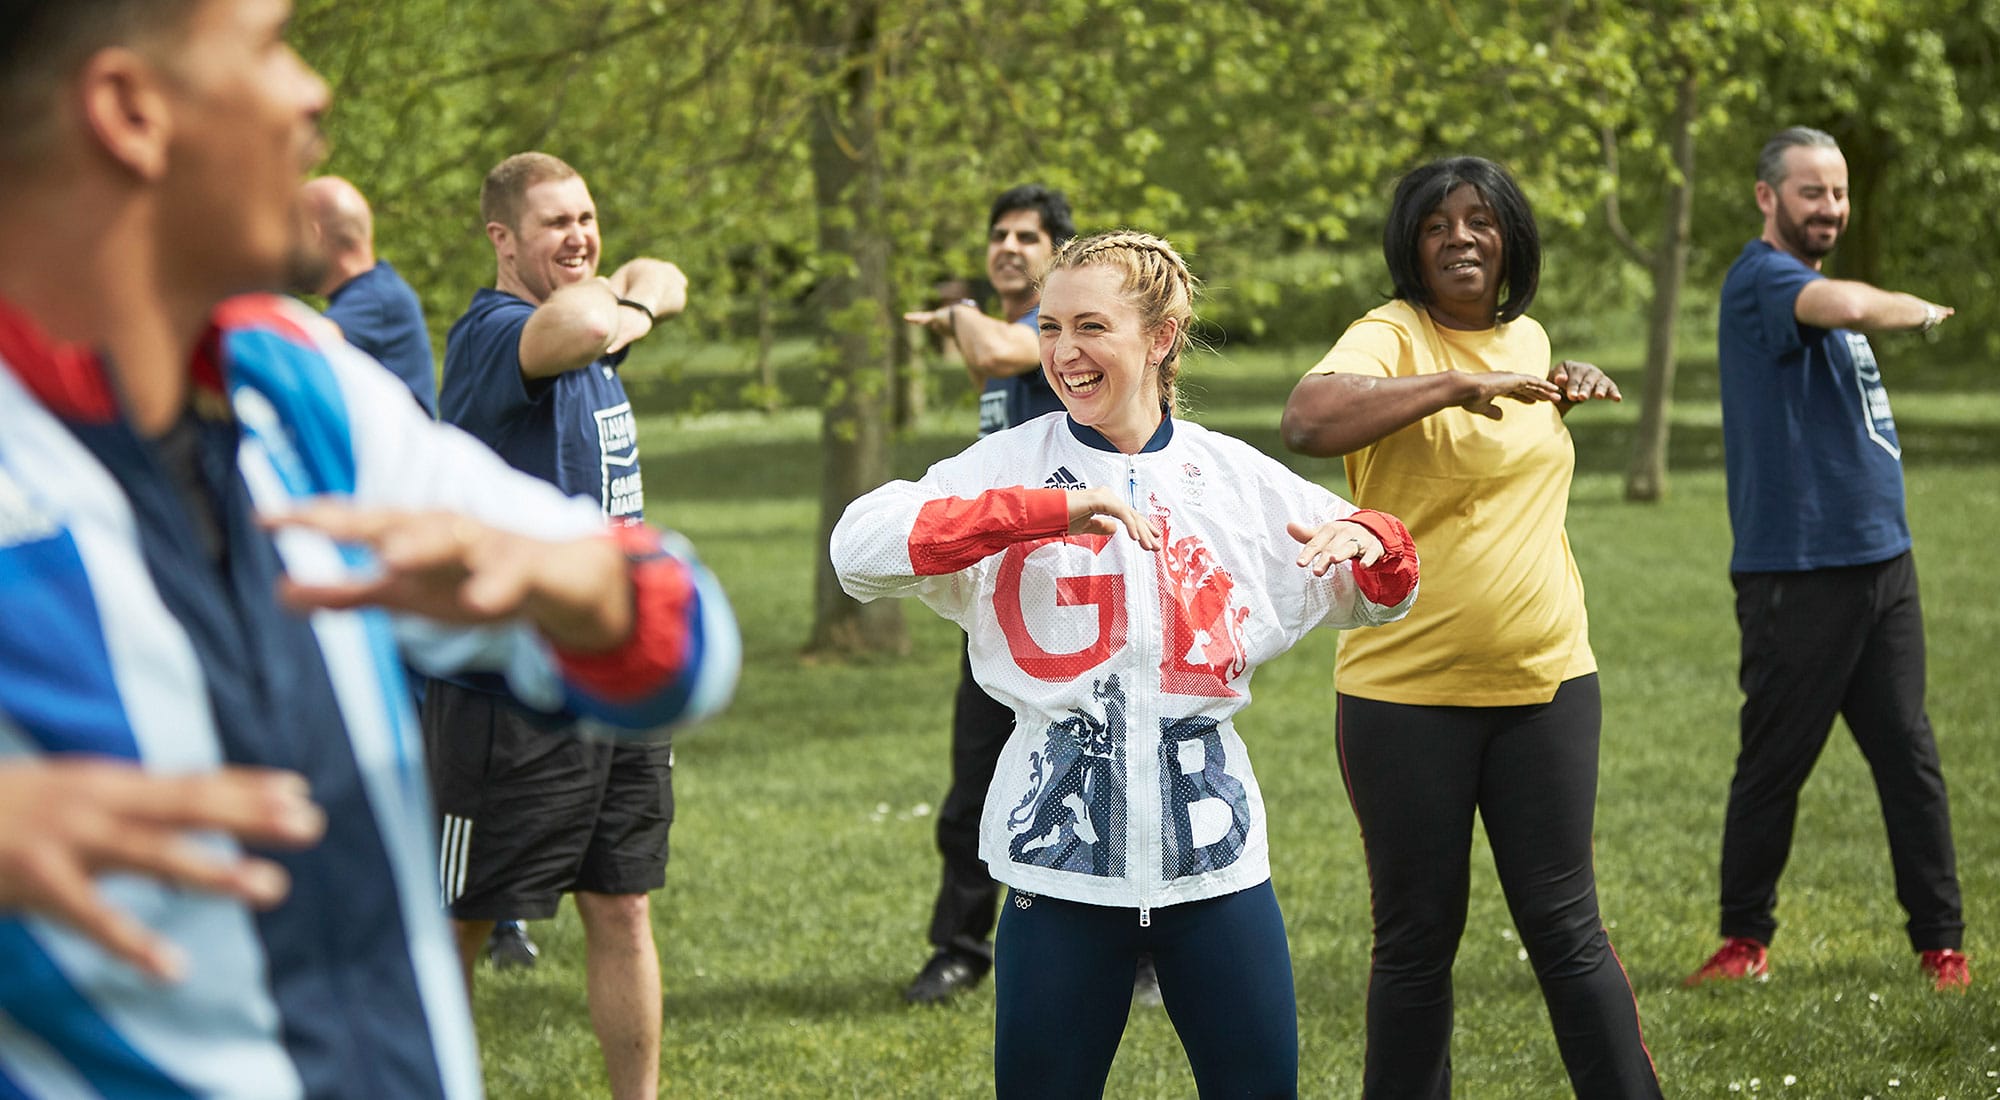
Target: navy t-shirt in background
<point>379,313</point>
<point>1814,465</point>
<point>575,430</point>
<point>1019,398</point>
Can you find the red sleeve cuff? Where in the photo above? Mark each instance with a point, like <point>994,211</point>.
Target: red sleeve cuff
<point>662,599</point>
<point>1394,575</point>
<point>952,533</point>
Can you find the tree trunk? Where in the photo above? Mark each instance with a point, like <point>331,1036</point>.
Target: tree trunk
<point>847,184</point>
<point>1646,480</point>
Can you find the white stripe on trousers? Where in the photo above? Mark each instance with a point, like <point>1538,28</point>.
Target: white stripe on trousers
<point>454,853</point>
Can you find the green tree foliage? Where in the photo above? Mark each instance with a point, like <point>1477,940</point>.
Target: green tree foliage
<point>1262,137</point>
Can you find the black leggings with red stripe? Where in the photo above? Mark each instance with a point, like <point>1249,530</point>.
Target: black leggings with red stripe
<point>1416,775</point>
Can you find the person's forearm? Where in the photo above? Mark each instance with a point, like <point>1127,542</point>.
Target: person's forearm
<point>656,284</point>
<point>1332,414</point>
<point>1848,304</point>
<point>994,348</point>
<point>581,596</point>
<point>571,329</point>
<point>683,654</point>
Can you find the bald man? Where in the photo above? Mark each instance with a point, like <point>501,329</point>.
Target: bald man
<point>375,309</point>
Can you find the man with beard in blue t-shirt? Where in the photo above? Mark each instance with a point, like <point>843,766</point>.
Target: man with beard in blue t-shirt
<point>1826,588</point>
<point>532,370</point>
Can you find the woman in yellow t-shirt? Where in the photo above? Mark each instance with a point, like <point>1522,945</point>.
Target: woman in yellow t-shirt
<point>1485,698</point>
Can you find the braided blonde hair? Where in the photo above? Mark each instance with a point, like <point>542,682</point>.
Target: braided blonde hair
<point>1156,281</point>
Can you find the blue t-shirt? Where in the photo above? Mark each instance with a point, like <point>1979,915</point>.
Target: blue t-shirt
<point>1020,398</point>
<point>379,313</point>
<point>1815,469</point>
<point>575,430</point>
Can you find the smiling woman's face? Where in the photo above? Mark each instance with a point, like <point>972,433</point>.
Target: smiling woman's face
<point>1460,256</point>
<point>1098,356</point>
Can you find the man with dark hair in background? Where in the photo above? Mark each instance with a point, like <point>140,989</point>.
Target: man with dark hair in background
<point>531,369</point>
<point>1027,224</point>
<point>1826,585</point>
<point>375,309</point>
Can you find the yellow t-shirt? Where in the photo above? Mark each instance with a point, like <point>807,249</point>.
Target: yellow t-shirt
<point>1499,620</point>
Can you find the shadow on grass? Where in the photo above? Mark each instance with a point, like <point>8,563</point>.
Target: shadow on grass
<point>735,469</point>
<point>1607,445</point>
<point>804,996</point>
<point>1242,399</point>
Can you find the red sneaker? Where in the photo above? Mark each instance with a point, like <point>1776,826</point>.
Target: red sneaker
<point>1948,968</point>
<point>1740,957</point>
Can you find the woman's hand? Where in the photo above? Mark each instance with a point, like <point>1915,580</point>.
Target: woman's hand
<point>1580,381</point>
<point>1102,512</point>
<point>1329,544</point>
<point>1490,386</point>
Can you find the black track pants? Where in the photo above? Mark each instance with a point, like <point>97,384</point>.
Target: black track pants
<point>1416,775</point>
<point>1847,641</point>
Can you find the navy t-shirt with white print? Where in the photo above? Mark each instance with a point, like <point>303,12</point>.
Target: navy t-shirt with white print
<point>575,430</point>
<point>1814,464</point>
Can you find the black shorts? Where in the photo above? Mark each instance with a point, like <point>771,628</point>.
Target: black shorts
<point>533,808</point>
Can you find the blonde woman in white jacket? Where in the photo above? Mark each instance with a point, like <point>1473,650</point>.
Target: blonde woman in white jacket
<point>1119,574</point>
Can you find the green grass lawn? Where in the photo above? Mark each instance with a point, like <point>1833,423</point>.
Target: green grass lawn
<point>803,865</point>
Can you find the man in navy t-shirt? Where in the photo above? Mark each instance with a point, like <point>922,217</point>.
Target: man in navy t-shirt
<point>1027,224</point>
<point>1826,588</point>
<point>375,309</point>
<point>532,370</point>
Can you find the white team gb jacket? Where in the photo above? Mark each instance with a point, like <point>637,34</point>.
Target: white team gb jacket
<point>1124,782</point>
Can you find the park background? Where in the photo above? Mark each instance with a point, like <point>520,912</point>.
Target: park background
<point>817,167</point>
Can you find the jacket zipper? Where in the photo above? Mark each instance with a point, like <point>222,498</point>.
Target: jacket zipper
<point>1142,836</point>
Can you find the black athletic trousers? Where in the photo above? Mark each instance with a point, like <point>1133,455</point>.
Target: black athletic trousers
<point>1847,641</point>
<point>968,898</point>
<point>1416,775</point>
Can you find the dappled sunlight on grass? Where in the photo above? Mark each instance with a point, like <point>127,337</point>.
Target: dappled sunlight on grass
<point>803,864</point>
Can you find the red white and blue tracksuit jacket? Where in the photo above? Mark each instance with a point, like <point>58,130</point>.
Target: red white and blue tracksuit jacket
<point>123,632</point>
<point>1124,782</point>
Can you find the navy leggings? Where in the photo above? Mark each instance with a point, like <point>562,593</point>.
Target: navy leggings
<point>1416,774</point>
<point>1063,987</point>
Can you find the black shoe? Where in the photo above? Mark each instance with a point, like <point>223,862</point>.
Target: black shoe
<point>942,978</point>
<point>1146,983</point>
<point>509,947</point>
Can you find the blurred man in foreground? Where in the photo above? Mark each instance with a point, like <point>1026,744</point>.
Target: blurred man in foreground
<point>195,528</point>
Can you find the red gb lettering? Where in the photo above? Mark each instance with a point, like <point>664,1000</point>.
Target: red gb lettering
<point>1105,591</point>
<point>1198,619</point>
